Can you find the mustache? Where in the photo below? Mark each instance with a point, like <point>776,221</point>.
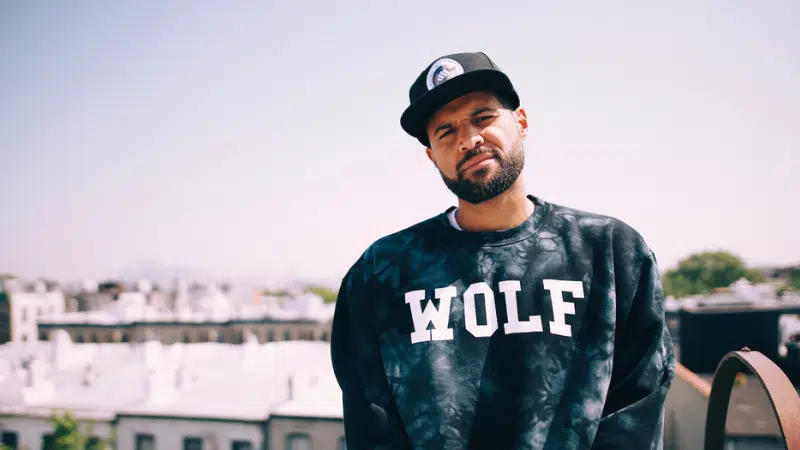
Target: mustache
<point>475,152</point>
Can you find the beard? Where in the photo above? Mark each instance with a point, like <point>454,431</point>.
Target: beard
<point>483,187</point>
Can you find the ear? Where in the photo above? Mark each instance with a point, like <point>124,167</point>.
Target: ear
<point>522,121</point>
<point>429,152</point>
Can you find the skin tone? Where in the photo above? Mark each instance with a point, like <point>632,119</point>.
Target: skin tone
<point>478,121</point>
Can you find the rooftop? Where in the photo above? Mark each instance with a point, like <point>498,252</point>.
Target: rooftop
<point>249,381</point>
<point>750,412</point>
<point>199,307</point>
<point>741,296</point>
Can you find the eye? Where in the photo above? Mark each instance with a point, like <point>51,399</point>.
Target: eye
<point>484,118</point>
<point>447,132</point>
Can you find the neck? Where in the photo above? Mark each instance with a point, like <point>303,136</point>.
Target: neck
<point>507,210</point>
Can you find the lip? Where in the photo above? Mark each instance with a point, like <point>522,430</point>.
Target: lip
<point>475,160</point>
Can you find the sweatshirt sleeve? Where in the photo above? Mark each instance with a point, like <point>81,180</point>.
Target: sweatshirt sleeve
<point>370,418</point>
<point>644,366</point>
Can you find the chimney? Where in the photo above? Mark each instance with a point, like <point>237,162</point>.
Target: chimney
<point>159,385</point>
<point>152,354</point>
<point>88,376</point>
<point>37,386</point>
<point>182,377</point>
<point>250,349</point>
<point>62,344</point>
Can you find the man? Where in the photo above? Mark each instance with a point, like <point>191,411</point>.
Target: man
<point>508,322</point>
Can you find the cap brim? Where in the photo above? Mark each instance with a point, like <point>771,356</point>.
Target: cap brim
<point>415,118</point>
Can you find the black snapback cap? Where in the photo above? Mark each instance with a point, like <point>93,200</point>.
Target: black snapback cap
<point>446,79</point>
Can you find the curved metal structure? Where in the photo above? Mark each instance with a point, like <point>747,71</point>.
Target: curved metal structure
<point>782,395</point>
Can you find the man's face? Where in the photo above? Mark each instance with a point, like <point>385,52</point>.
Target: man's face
<point>476,144</point>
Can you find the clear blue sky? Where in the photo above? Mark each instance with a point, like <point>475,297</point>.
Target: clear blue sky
<point>263,138</point>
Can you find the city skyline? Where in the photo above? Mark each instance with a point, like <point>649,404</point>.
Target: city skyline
<point>263,140</point>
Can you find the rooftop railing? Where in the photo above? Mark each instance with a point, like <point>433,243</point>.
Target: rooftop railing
<point>781,393</point>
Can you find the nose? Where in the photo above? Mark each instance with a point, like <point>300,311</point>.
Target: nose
<point>471,138</point>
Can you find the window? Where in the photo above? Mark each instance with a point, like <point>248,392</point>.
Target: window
<point>24,314</point>
<point>297,441</point>
<point>241,445</point>
<point>10,439</point>
<point>47,442</point>
<point>341,444</point>
<point>24,337</point>
<point>145,442</point>
<point>287,335</point>
<point>192,443</point>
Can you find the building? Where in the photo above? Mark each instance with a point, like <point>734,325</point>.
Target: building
<point>708,329</point>
<point>209,396</point>
<point>199,314</point>
<point>708,333</point>
<point>22,307</point>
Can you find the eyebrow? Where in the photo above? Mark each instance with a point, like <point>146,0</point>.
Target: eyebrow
<point>477,112</point>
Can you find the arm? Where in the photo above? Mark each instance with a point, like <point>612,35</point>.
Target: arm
<point>370,419</point>
<point>644,366</point>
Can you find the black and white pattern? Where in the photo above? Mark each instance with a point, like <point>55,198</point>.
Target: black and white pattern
<point>550,335</point>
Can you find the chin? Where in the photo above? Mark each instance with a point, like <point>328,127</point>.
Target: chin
<point>483,174</point>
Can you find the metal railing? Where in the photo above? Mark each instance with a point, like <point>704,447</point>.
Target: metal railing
<point>780,391</point>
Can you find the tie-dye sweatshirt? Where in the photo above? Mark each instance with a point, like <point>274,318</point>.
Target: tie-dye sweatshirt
<point>549,335</point>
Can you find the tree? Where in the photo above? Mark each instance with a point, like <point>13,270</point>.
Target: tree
<point>275,293</point>
<point>6,447</point>
<point>794,278</point>
<point>792,282</point>
<point>327,294</point>
<point>67,435</point>
<point>110,286</point>
<point>701,273</point>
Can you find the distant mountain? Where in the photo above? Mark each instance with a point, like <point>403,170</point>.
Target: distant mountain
<point>165,275</point>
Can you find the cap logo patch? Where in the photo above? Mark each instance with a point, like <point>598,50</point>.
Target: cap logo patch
<point>443,70</point>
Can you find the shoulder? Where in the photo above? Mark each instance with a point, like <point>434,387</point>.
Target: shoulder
<point>391,248</point>
<point>600,231</point>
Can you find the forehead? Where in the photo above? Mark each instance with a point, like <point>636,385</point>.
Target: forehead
<point>463,106</point>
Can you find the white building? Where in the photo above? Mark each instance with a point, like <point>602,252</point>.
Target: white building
<point>203,304</point>
<point>22,310</point>
<point>210,396</point>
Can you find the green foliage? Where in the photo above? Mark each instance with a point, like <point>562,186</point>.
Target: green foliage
<point>275,293</point>
<point>794,278</point>
<point>6,447</point>
<point>701,273</point>
<point>111,286</point>
<point>327,294</point>
<point>67,435</point>
<point>791,284</point>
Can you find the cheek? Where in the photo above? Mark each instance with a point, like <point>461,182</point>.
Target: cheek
<point>499,137</point>
<point>445,161</point>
